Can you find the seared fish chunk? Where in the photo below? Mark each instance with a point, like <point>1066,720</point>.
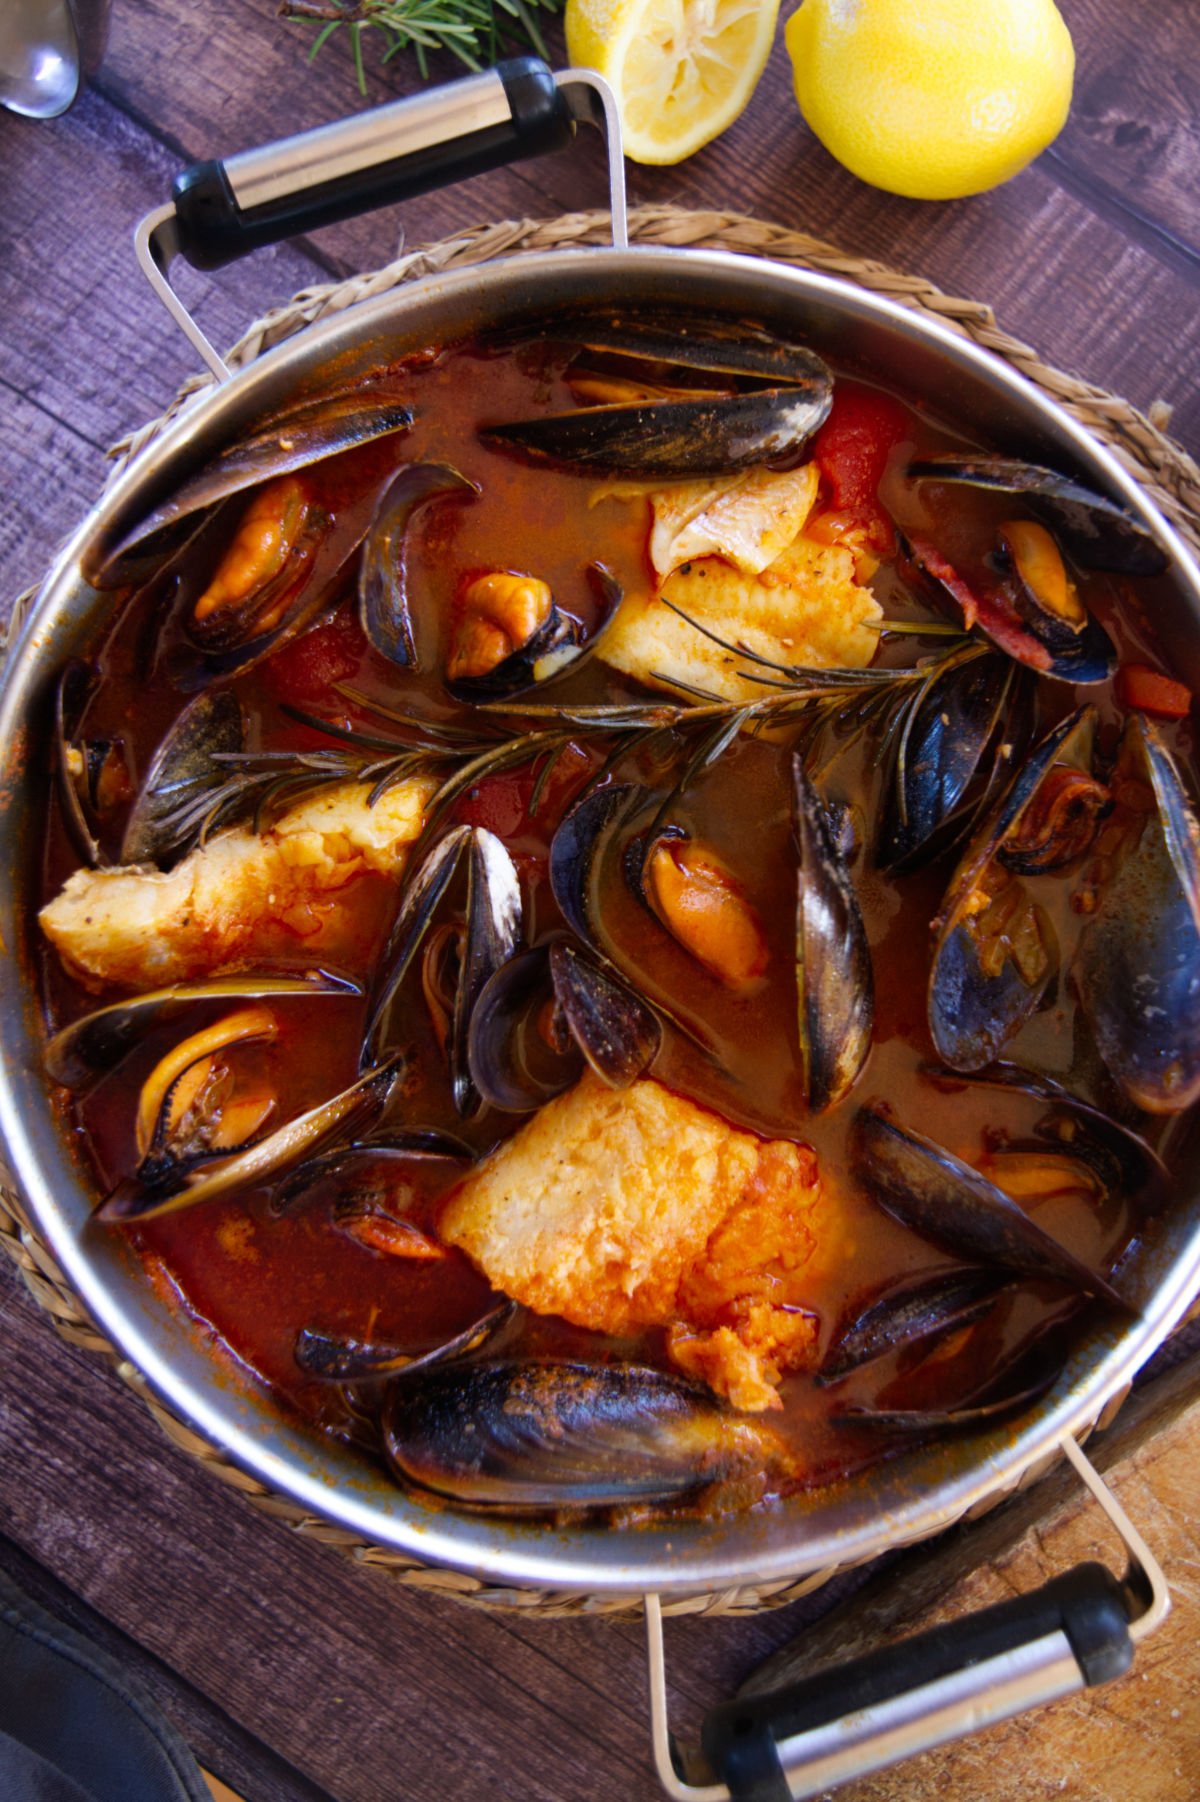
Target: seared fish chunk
<point>804,609</point>
<point>239,899</point>
<point>624,1209</point>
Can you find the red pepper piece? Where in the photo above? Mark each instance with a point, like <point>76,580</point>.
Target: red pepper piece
<point>1149,691</point>
<point>852,449</point>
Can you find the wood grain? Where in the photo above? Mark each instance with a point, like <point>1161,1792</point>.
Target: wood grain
<point>295,1674</point>
<point>1133,1741</point>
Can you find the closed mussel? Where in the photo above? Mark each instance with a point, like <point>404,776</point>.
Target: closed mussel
<point>700,398</point>
<point>835,987</point>
<point>520,1436</point>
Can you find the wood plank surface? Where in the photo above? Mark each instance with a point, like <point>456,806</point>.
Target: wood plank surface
<point>1143,1733</point>
<point>295,1674</point>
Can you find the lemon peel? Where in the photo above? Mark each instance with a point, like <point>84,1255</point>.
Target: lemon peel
<point>936,100</point>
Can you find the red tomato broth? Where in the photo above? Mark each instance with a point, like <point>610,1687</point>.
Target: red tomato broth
<point>257,1279</point>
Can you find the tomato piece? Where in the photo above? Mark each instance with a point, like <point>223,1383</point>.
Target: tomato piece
<point>1149,691</point>
<point>852,449</point>
<point>304,670</point>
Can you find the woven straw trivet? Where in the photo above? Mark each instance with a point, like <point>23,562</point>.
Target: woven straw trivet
<point>1139,443</point>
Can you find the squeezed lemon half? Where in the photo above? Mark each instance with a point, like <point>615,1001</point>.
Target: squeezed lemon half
<point>682,70</point>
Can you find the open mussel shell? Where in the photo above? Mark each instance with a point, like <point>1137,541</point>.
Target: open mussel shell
<point>952,1206</point>
<point>835,986</point>
<point>1009,616</point>
<point>184,781</point>
<point>340,1360</point>
<point>928,1307</point>
<point>939,755</point>
<point>543,1015</point>
<point>77,759</point>
<point>383,606</point>
<point>1118,1153</point>
<point>302,435</point>
<point>1137,965</point>
<point>577,847</point>
<point>339,1172</point>
<point>672,437</point>
<point>557,648</point>
<point>93,1045</point>
<point>355,1110</point>
<point>686,341</point>
<point>519,1436</point>
<point>992,963</point>
<point>1098,532</point>
<point>951,1419</point>
<point>490,938</point>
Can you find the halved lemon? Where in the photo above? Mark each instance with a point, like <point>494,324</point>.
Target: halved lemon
<point>682,70</point>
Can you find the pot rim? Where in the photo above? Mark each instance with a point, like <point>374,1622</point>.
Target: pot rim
<point>677,1557</point>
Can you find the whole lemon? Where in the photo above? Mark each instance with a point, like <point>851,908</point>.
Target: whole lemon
<point>933,99</point>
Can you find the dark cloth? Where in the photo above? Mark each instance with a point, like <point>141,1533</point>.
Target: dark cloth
<point>73,1726</point>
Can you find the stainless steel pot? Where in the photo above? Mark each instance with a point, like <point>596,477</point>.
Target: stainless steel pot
<point>988,1669</point>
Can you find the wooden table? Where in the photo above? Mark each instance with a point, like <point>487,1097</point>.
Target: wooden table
<point>294,1674</point>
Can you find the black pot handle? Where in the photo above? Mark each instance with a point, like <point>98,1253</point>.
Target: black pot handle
<point>802,1740</point>
<point>223,210</point>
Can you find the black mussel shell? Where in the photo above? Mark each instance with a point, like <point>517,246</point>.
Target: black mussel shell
<point>301,435</point>
<point>513,1064</point>
<point>382,582</point>
<point>1137,965</point>
<point>355,1110</point>
<point>916,1310</point>
<point>520,1436</point>
<point>834,981</point>
<point>91,1046</point>
<point>973,1011</point>
<point>618,1034</point>
<point>335,1171</point>
<point>423,890</point>
<point>948,1420</point>
<point>671,437</point>
<point>938,756</point>
<point>340,1360</point>
<point>954,1207</point>
<point>1120,1155</point>
<point>579,841</point>
<point>76,686</point>
<point>1098,532</point>
<point>557,649</point>
<point>688,341</point>
<point>185,779</point>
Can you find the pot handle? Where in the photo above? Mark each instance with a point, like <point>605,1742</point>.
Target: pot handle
<point>222,210</point>
<point>800,1741</point>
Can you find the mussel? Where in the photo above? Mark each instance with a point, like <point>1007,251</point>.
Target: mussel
<point>996,951</point>
<point>701,904</point>
<point>1137,964</point>
<point>343,1171</point>
<point>1098,532</point>
<point>510,634</point>
<point>699,397</point>
<point>523,1436</point>
<point>340,1360</point>
<point>189,1180</point>
<point>279,445</point>
<point>543,1015</point>
<point>952,1206</point>
<point>917,1311</point>
<point>92,776</point>
<point>95,1043</point>
<point>186,782</point>
<point>467,956</point>
<point>1028,606</point>
<point>835,986</point>
<point>383,602</point>
<point>192,1108</point>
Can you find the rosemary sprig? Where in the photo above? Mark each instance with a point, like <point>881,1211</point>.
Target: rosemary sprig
<point>478,32</point>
